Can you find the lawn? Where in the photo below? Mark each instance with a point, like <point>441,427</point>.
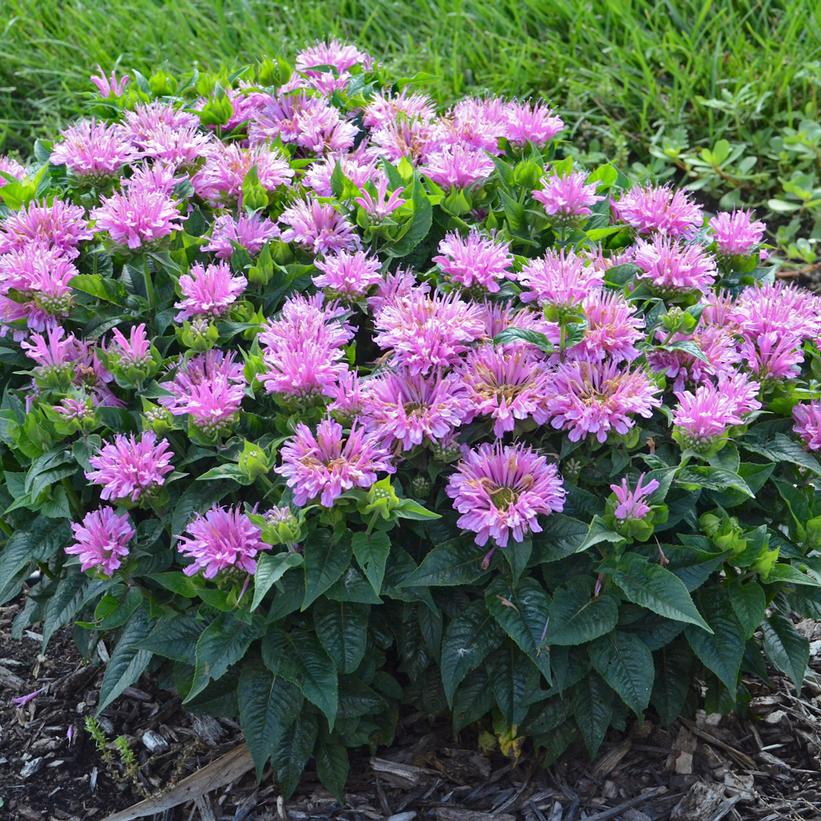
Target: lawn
<point>723,93</point>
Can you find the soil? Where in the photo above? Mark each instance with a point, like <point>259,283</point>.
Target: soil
<point>767,766</point>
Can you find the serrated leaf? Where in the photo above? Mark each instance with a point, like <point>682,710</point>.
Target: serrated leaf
<point>37,543</point>
<point>223,643</point>
<point>128,660</point>
<point>96,285</point>
<point>722,651</point>
<point>786,648</point>
<point>371,553</point>
<point>673,679</point>
<point>472,700</point>
<point>749,603</point>
<point>292,752</point>
<point>342,629</point>
<point>468,639</point>
<point>320,683</point>
<point>712,478</point>
<point>452,563</point>
<point>513,678</point>
<point>523,613</point>
<point>325,561</point>
<point>576,617</point>
<point>780,448</point>
<point>561,536</point>
<point>626,664</point>
<point>332,765</point>
<point>268,705</point>
<point>175,637</point>
<point>271,567</point>
<point>196,499</point>
<point>65,602</point>
<point>593,711</point>
<point>656,588</point>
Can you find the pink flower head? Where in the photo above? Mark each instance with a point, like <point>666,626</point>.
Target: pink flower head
<point>93,149</point>
<point>57,224</point>
<point>328,464</point>
<point>134,351</point>
<point>397,285</point>
<point>658,208</point>
<point>78,408</point>
<point>226,166</point>
<point>102,540</point>
<point>597,397</point>
<point>145,121</point>
<point>138,217</point>
<point>632,504</point>
<point>501,491</point>
<point>347,396</point>
<point>807,418</point>
<point>506,383</point>
<point>476,124</point>
<point>613,328</point>
<point>673,265</point>
<point>427,332</point>
<point>55,350</point>
<point>772,355</point>
<point>559,278</point>
<point>314,62</point>
<point>415,139</point>
<point>223,539</point>
<point>384,204</point>
<point>458,166</point>
<point>531,122</point>
<point>705,414</point>
<point>128,467</point>
<point>410,408</point>
<point>10,166</point>
<point>385,107</point>
<point>109,86</point>
<point>474,260</point>
<point>250,231</point>
<point>317,226</point>
<point>567,196</point>
<point>358,167</point>
<point>208,291</point>
<point>349,274</point>
<point>176,146</point>
<point>151,177</point>
<point>783,310</point>
<point>303,348</point>
<point>718,345</point>
<point>209,388</point>
<point>736,233</point>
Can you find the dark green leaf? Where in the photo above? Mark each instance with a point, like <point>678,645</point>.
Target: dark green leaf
<point>128,661</point>
<point>271,567</point>
<point>786,648</point>
<point>342,629</point>
<point>371,553</point>
<point>457,561</point>
<point>325,561</point>
<point>722,651</point>
<point>593,711</point>
<point>625,663</point>
<point>577,617</point>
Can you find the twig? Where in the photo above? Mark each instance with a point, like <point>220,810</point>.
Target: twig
<point>626,805</point>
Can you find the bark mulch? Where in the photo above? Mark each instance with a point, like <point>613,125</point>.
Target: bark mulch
<point>767,766</point>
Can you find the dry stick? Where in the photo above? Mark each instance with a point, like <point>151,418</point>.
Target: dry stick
<point>626,805</point>
<point>741,758</point>
<point>224,770</point>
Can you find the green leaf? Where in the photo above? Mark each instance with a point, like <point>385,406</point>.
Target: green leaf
<point>371,553</point>
<point>320,683</point>
<point>268,705</point>
<point>517,555</point>
<point>561,536</point>
<point>712,478</point>
<point>673,679</point>
<point>654,587</point>
<point>456,561</point>
<point>325,561</point>
<point>749,603</point>
<point>473,699</point>
<point>626,664</point>
<point>576,617</point>
<point>292,752</point>
<point>223,643</point>
<point>783,572</point>
<point>593,711</point>
<point>128,661</point>
<point>513,678</point>
<point>722,651</point>
<point>332,765</point>
<point>271,567</point>
<point>468,639</point>
<point>524,335</point>
<point>73,591</point>
<point>419,226</point>
<point>523,614</point>
<point>196,499</point>
<point>411,509</point>
<point>37,543</point>
<point>109,290</point>
<point>342,629</point>
<point>175,637</point>
<point>780,448</point>
<point>786,648</point>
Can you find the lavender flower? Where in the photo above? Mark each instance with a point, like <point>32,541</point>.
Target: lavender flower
<point>458,166</point>
<point>101,540</point>
<point>57,224</point>
<point>736,233</point>
<point>109,86</point>
<point>348,274</point>
<point>559,278</point>
<point>138,217</point>
<point>502,490</point>
<point>222,539</point>
<point>531,122</point>
<point>675,266</point>
<point>250,231</point>
<point>208,291</point>
<point>474,260</point>
<point>317,226</point>
<point>807,418</point>
<point>658,209</point>
<point>93,149</point>
<point>567,196</point>
<point>327,464</point>
<point>632,504</point>
<point>129,468</point>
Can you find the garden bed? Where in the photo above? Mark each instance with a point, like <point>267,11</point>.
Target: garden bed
<point>767,766</point>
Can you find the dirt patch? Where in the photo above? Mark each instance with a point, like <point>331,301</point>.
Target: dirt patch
<point>766,766</point>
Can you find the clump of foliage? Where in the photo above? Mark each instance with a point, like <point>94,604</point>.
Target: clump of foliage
<point>322,405</point>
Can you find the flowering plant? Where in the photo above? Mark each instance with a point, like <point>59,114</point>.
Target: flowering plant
<point>322,405</point>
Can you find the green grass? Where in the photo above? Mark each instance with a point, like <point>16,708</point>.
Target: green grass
<point>633,79</point>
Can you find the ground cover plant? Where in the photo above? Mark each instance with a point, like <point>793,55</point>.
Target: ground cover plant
<point>719,95</point>
<point>321,404</point>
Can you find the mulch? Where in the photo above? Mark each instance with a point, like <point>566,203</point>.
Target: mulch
<point>766,767</point>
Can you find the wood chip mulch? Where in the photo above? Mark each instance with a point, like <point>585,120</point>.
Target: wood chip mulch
<point>766,767</point>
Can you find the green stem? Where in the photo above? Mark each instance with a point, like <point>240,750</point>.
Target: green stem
<point>149,285</point>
